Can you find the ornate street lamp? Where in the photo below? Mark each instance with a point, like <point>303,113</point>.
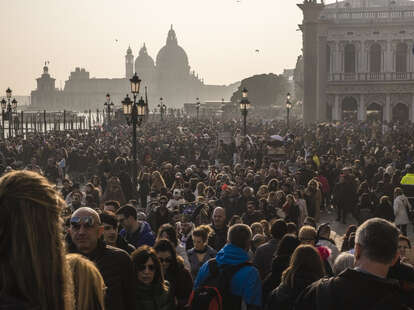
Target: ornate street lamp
<point>8,107</point>
<point>8,93</point>
<point>163,108</point>
<point>108,104</point>
<point>198,107</point>
<point>135,113</point>
<point>244,108</point>
<point>288,107</point>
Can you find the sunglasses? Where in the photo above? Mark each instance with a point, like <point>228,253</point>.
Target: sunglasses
<point>167,260</point>
<point>142,267</point>
<point>76,222</point>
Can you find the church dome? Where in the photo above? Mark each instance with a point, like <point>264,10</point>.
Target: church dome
<point>143,60</point>
<point>172,53</point>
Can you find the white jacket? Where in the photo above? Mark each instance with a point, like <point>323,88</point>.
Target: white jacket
<point>180,249</point>
<point>400,210</point>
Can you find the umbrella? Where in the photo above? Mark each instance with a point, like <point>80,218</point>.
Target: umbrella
<point>276,141</point>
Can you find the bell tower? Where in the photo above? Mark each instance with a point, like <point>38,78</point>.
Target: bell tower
<point>129,64</point>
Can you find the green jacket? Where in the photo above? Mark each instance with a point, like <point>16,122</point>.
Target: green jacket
<point>154,297</point>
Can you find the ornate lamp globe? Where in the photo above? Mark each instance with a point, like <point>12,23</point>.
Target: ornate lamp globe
<point>127,105</point>
<point>135,84</point>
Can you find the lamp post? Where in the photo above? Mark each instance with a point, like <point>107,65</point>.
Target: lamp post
<point>8,107</point>
<point>288,107</point>
<point>163,108</point>
<point>135,113</point>
<point>3,108</point>
<point>198,107</point>
<point>244,108</point>
<point>108,104</point>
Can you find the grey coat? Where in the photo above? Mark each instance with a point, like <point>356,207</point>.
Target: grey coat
<point>195,263</point>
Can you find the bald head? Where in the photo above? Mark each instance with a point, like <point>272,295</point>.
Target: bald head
<point>219,217</point>
<point>84,232</point>
<point>85,211</point>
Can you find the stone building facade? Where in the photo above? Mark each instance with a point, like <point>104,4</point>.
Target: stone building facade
<point>358,60</point>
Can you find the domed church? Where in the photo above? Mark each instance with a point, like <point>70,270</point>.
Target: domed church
<point>169,77</point>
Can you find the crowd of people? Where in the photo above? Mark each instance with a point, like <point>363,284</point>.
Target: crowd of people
<point>210,221</point>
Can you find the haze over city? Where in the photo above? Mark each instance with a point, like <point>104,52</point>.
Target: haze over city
<point>226,41</point>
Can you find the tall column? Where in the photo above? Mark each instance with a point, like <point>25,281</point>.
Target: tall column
<point>358,54</point>
<point>321,100</point>
<point>387,110</point>
<point>336,110</point>
<point>387,57</point>
<point>338,59</point>
<point>361,108</point>
<point>309,27</point>
<point>412,109</point>
<point>410,56</point>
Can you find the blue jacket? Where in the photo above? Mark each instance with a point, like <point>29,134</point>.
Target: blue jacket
<point>143,236</point>
<point>245,283</point>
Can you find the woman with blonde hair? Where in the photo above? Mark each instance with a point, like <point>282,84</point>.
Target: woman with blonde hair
<point>157,182</point>
<point>88,283</point>
<point>33,270</point>
<point>305,267</point>
<point>313,197</point>
<point>200,189</point>
<point>201,252</point>
<point>262,192</point>
<point>114,191</point>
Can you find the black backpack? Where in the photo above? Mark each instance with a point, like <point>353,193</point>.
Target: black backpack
<point>215,292</point>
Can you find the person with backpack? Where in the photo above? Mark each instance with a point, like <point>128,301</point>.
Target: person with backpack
<point>229,280</point>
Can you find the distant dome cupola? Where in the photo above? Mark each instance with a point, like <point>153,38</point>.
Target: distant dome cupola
<point>172,55</point>
<point>143,61</point>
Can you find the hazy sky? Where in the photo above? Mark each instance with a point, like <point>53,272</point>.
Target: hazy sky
<point>219,36</point>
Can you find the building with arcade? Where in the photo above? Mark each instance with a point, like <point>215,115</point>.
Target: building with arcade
<point>358,60</point>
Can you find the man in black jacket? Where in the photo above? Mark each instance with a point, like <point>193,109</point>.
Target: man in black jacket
<point>219,238</point>
<point>110,234</point>
<point>114,264</point>
<point>366,286</point>
<point>264,253</point>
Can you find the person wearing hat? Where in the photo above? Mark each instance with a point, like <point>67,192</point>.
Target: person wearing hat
<point>324,239</point>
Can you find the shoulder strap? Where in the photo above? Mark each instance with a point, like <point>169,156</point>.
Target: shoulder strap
<point>228,271</point>
<point>213,267</point>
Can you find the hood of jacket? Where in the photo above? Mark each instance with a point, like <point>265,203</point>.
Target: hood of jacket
<point>231,255</point>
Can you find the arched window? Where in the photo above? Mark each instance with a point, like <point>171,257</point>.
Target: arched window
<point>350,58</point>
<point>375,58</point>
<point>400,113</point>
<point>328,59</point>
<point>374,112</point>
<point>401,58</point>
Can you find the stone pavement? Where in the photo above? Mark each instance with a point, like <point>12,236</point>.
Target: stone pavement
<point>338,229</point>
